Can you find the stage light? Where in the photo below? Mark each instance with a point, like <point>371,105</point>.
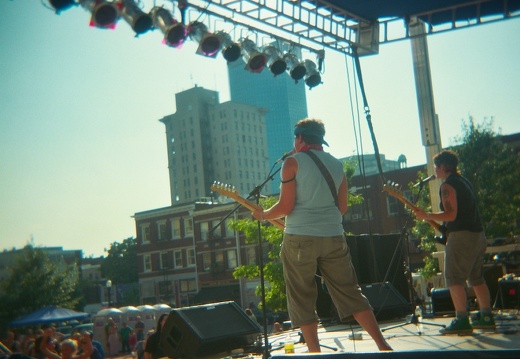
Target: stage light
<point>61,5</point>
<point>104,14</point>
<point>312,77</point>
<point>209,44</point>
<point>140,21</point>
<point>174,31</point>
<point>255,60</point>
<point>295,67</point>
<point>275,61</point>
<point>230,49</point>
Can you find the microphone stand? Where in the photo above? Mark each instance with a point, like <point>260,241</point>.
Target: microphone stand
<point>256,194</point>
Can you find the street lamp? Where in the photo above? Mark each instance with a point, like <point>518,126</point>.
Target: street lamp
<point>109,287</point>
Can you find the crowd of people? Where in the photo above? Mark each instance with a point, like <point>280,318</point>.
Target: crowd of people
<point>47,343</point>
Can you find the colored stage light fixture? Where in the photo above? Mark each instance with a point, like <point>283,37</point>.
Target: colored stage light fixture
<point>104,13</point>
<point>312,77</point>
<point>275,61</point>
<point>230,50</point>
<point>174,32</point>
<point>209,44</point>
<point>61,5</point>
<point>140,21</point>
<point>254,59</point>
<point>295,67</point>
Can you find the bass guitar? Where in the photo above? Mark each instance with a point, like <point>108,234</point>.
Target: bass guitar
<point>394,192</point>
<point>231,192</point>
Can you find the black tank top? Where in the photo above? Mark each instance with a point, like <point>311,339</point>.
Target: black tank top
<point>468,215</point>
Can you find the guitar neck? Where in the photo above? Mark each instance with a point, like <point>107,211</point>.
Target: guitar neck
<point>278,223</point>
<point>406,202</point>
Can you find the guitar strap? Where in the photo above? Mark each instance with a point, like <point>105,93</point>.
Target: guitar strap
<point>326,174</point>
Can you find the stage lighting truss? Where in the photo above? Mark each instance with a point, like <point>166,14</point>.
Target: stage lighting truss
<point>105,14</point>
<point>138,20</point>
<point>174,32</point>
<point>209,44</point>
<point>279,56</point>
<point>254,59</point>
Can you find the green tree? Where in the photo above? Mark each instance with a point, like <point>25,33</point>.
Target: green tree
<point>493,168</point>
<point>120,264</point>
<point>275,297</point>
<point>36,281</point>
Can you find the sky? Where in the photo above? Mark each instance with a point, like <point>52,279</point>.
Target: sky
<point>82,148</point>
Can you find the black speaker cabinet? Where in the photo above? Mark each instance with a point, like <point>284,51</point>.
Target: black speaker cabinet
<point>509,294</point>
<point>441,301</point>
<point>387,302</point>
<point>207,329</point>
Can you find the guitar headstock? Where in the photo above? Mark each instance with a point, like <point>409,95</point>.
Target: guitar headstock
<point>224,189</point>
<point>393,189</point>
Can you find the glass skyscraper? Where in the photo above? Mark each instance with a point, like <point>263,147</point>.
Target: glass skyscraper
<point>283,99</point>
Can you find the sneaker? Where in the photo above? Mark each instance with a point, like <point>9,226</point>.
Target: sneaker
<point>485,322</point>
<point>458,326</point>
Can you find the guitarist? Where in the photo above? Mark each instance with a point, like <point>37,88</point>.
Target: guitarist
<point>466,244</point>
<point>313,198</point>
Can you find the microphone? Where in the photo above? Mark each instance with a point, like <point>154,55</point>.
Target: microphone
<point>285,155</point>
<point>426,180</point>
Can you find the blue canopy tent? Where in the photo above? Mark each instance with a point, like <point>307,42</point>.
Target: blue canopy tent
<point>49,314</point>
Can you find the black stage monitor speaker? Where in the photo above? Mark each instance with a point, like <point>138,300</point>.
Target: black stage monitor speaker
<point>387,302</point>
<point>207,329</point>
<point>441,301</point>
<point>509,295</point>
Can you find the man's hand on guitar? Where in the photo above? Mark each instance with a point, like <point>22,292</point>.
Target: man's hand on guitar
<point>420,214</point>
<point>258,214</point>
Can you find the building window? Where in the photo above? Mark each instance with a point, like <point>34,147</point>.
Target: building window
<point>204,229</point>
<point>191,257</point>
<point>218,266</point>
<point>232,259</point>
<point>392,206</point>
<point>176,228</point>
<point>145,233</point>
<point>178,258</point>
<point>206,262</point>
<point>188,226</point>
<point>228,231</point>
<point>147,263</point>
<point>161,230</point>
<point>188,285</point>
<point>165,260</point>
<point>251,255</point>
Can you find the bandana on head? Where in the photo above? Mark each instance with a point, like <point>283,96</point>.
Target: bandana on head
<point>310,132</point>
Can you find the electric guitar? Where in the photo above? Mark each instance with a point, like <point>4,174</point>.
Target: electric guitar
<point>231,192</point>
<point>394,192</point>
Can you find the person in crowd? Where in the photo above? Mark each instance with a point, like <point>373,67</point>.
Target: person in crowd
<point>139,329</point>
<point>465,246</point>
<point>69,347</point>
<point>47,346</point>
<point>87,350</point>
<point>153,348</point>
<point>313,199</point>
<point>124,335</point>
<point>112,332</point>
